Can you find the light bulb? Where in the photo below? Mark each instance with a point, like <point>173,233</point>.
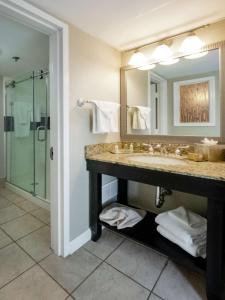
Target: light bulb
<point>162,52</point>
<point>169,61</point>
<point>137,59</point>
<point>196,55</point>
<point>191,44</point>
<point>147,67</point>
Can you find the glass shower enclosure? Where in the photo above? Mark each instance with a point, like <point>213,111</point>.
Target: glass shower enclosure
<point>27,125</point>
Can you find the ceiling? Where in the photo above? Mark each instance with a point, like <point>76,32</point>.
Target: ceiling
<point>130,23</point>
<point>186,67</point>
<point>18,40</point>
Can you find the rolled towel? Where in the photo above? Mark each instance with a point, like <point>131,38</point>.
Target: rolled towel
<point>194,250</point>
<point>187,217</point>
<point>121,216</point>
<point>188,235</point>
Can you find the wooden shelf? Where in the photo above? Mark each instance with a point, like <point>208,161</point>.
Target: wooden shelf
<point>145,233</point>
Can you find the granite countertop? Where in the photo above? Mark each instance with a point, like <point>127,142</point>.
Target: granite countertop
<point>209,170</point>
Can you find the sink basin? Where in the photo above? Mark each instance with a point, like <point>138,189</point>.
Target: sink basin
<point>157,160</point>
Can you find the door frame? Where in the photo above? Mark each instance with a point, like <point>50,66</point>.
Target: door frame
<point>58,33</point>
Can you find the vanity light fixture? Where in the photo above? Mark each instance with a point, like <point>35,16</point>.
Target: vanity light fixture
<point>162,52</point>
<point>191,44</point>
<point>196,55</point>
<point>137,59</point>
<point>147,67</point>
<point>170,61</point>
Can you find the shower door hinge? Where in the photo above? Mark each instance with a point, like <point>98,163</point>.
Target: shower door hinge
<point>51,153</point>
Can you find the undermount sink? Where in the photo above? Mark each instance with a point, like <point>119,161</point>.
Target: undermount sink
<point>159,160</point>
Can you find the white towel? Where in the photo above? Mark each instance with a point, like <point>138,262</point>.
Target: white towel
<point>188,235</point>
<point>121,216</point>
<point>194,250</point>
<point>105,116</point>
<point>22,118</point>
<point>187,217</point>
<point>141,118</point>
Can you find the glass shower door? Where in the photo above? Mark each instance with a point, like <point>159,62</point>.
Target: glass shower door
<point>27,134</point>
<point>19,140</point>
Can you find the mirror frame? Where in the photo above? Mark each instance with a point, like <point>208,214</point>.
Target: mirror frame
<point>170,138</point>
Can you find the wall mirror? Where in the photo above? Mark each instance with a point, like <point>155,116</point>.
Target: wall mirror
<point>179,100</point>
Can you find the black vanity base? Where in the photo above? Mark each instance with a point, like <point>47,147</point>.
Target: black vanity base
<point>145,232</point>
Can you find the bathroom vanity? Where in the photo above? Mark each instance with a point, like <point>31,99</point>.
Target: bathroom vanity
<point>204,179</point>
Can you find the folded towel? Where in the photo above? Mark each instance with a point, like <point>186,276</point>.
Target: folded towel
<point>105,116</point>
<point>121,216</point>
<point>141,118</point>
<point>194,250</point>
<point>187,217</point>
<point>187,234</point>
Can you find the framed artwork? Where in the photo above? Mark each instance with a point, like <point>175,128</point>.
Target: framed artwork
<point>194,102</point>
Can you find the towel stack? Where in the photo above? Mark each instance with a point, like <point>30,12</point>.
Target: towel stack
<point>184,228</point>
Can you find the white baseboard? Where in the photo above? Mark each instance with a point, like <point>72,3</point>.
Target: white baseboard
<point>79,241</point>
<point>109,191</point>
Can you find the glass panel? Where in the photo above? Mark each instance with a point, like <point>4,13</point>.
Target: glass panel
<point>41,143</point>
<point>19,141</point>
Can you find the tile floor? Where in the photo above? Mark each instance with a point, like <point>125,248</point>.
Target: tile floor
<point>114,268</point>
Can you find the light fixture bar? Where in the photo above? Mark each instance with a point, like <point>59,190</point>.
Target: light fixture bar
<point>171,37</point>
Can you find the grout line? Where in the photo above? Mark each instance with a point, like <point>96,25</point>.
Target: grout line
<point>101,263</point>
<point>13,218</point>
<point>160,275</point>
<point>18,276</point>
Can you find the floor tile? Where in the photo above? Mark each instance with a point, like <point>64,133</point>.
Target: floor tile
<point>178,283</point>
<point>5,191</point>
<point>15,198</point>
<point>71,271</point>
<point>42,214</point>
<point>4,202</point>
<point>37,244</point>
<point>105,245</point>
<point>13,262</point>
<point>10,213</point>
<point>27,205</point>
<point>34,284</point>
<point>154,297</point>
<point>21,226</point>
<point>138,262</point>
<point>108,284</point>
<point>4,239</point>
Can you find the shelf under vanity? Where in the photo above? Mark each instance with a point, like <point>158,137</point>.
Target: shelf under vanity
<point>204,179</point>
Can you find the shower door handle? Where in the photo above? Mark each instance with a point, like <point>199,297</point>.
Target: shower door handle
<point>51,153</point>
<point>38,134</point>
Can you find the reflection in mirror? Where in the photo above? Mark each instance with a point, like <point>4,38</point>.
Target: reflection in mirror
<point>180,99</point>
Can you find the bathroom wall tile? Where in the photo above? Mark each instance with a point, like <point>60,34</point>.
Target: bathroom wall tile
<point>42,214</point>
<point>28,205</point>
<point>179,283</point>
<point>34,284</point>
<point>138,262</point>
<point>4,239</point>
<point>4,202</point>
<point>21,226</point>
<point>72,270</point>
<point>37,244</point>
<point>13,262</point>
<point>105,245</point>
<point>106,283</point>
<point>10,213</point>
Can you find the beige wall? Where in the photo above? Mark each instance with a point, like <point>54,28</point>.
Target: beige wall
<point>2,161</point>
<point>94,74</point>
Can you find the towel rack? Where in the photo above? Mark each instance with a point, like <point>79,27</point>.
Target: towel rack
<point>81,102</point>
